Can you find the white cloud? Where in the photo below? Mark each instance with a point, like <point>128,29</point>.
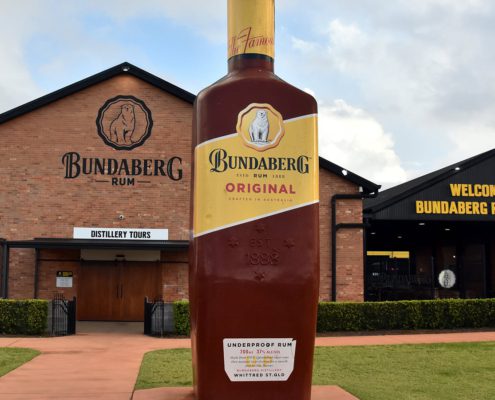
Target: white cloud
<point>71,48</point>
<point>422,69</point>
<point>206,19</point>
<point>16,83</point>
<point>353,139</point>
<point>19,87</point>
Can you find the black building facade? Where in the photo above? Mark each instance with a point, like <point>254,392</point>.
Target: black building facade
<point>434,236</point>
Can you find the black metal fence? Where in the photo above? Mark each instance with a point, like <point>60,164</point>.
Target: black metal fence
<point>399,287</point>
<point>63,316</point>
<point>158,318</point>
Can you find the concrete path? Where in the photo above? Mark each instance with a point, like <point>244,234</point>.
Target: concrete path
<point>317,393</point>
<point>100,365</point>
<point>102,361</point>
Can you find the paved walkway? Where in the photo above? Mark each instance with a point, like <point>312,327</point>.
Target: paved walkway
<point>104,364</point>
<point>100,365</point>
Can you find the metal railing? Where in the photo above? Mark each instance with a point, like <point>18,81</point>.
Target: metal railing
<point>63,316</point>
<point>399,281</point>
<point>158,318</point>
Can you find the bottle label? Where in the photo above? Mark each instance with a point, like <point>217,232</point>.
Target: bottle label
<point>259,360</point>
<point>267,167</point>
<point>251,27</point>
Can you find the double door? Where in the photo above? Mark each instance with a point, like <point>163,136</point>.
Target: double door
<point>115,291</point>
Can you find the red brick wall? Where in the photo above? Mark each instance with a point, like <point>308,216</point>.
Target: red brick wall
<point>52,261</point>
<point>38,202</point>
<point>175,276</point>
<point>21,273</point>
<point>350,267</point>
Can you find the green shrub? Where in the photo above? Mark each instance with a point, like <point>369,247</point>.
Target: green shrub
<point>181,317</point>
<point>420,314</point>
<point>387,315</point>
<point>23,317</point>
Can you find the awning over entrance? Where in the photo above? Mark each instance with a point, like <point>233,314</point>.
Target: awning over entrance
<point>165,245</point>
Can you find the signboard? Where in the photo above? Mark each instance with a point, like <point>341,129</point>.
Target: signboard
<point>479,203</point>
<point>249,360</point>
<point>64,279</point>
<point>123,123</point>
<point>120,233</point>
<point>458,194</point>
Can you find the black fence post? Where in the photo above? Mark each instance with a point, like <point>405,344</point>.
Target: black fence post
<point>71,317</point>
<point>54,317</point>
<point>147,316</point>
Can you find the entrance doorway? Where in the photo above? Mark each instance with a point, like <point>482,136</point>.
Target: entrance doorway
<point>473,284</point>
<point>115,290</point>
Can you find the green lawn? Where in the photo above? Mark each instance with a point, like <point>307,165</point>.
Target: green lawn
<point>407,372</point>
<point>12,357</point>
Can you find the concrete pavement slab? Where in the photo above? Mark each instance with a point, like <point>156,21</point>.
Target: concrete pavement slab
<point>186,393</point>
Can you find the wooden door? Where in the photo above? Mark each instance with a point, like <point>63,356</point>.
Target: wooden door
<point>98,292</point>
<point>115,291</point>
<point>139,280</point>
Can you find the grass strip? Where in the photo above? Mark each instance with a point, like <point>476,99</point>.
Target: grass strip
<point>410,372</point>
<point>165,368</point>
<point>13,357</point>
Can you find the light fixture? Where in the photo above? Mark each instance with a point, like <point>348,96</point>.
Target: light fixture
<point>457,168</point>
<point>399,237</point>
<point>344,172</point>
<point>447,229</point>
<point>422,224</point>
<point>126,68</point>
<point>372,233</point>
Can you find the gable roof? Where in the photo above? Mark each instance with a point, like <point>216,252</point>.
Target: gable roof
<point>124,68</point>
<point>128,68</point>
<point>368,186</point>
<point>397,193</point>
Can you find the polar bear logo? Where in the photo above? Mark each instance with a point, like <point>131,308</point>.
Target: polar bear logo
<point>122,127</point>
<point>259,128</point>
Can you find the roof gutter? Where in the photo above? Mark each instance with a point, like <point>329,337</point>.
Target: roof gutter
<point>5,270</point>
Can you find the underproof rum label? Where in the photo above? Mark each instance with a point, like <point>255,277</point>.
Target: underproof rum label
<point>251,360</point>
<point>267,167</point>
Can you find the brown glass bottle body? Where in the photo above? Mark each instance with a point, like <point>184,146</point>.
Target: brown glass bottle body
<point>231,294</point>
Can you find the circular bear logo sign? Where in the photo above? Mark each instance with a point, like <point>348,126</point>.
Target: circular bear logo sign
<point>124,122</point>
<point>260,126</point>
<point>447,279</point>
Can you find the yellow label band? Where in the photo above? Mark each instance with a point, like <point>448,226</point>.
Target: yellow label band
<point>251,27</point>
<point>268,167</point>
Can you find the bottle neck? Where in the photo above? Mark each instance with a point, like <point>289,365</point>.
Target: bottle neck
<point>251,31</point>
<point>250,61</point>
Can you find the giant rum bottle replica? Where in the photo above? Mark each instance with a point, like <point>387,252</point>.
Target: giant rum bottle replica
<point>255,254</point>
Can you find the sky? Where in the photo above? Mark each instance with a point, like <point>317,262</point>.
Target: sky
<point>403,87</point>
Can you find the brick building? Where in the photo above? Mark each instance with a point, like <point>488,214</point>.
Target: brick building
<point>96,197</point>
